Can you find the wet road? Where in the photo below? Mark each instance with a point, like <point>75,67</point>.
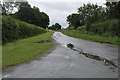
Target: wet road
<point>63,62</point>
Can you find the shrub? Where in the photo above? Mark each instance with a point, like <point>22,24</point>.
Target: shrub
<point>13,29</point>
<point>81,28</point>
<point>109,27</point>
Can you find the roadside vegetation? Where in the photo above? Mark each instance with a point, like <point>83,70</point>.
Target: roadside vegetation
<point>24,34</point>
<point>96,23</point>
<point>91,37</point>
<point>15,29</point>
<point>55,26</point>
<point>25,49</point>
<point>25,12</point>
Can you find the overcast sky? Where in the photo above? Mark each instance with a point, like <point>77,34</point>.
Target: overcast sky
<point>58,10</point>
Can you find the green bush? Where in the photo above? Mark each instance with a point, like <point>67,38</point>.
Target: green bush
<point>13,29</point>
<point>109,28</point>
<point>81,28</point>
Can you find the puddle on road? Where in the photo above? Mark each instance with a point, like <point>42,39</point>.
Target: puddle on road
<point>45,41</point>
<point>95,57</point>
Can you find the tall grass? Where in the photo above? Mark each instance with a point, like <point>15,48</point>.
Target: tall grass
<point>109,27</point>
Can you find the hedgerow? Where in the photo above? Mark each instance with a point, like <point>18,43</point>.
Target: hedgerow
<point>13,29</point>
<point>109,27</point>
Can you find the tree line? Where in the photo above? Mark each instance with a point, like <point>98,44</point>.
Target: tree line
<point>90,14</point>
<point>20,20</point>
<point>24,12</point>
<point>55,26</point>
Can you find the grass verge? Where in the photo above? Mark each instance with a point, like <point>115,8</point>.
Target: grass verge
<point>97,38</point>
<point>25,49</point>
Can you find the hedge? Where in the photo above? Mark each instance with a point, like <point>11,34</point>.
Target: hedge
<point>109,27</point>
<point>13,29</point>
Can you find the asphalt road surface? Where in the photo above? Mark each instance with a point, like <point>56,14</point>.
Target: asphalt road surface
<point>63,62</point>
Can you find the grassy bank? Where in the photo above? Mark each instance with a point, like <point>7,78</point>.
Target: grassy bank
<point>25,49</point>
<point>97,38</point>
<point>13,29</point>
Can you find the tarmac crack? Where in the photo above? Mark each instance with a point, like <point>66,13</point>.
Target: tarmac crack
<point>92,56</point>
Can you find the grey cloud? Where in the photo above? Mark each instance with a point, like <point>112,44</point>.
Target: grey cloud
<point>58,11</point>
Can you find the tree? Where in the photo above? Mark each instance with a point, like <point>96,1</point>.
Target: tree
<point>113,10</point>
<point>32,15</point>
<point>8,6</point>
<point>55,26</point>
<point>92,12</point>
<point>23,11</point>
<point>44,20</point>
<point>87,14</point>
<point>2,9</point>
<point>75,20</point>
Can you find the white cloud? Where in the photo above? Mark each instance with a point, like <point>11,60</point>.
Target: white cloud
<point>67,0</point>
<point>58,11</point>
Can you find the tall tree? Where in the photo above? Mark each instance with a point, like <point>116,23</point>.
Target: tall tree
<point>113,9</point>
<point>92,12</point>
<point>55,26</point>
<point>9,6</point>
<point>32,15</point>
<point>24,12</point>
<point>75,20</point>
<point>87,14</point>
